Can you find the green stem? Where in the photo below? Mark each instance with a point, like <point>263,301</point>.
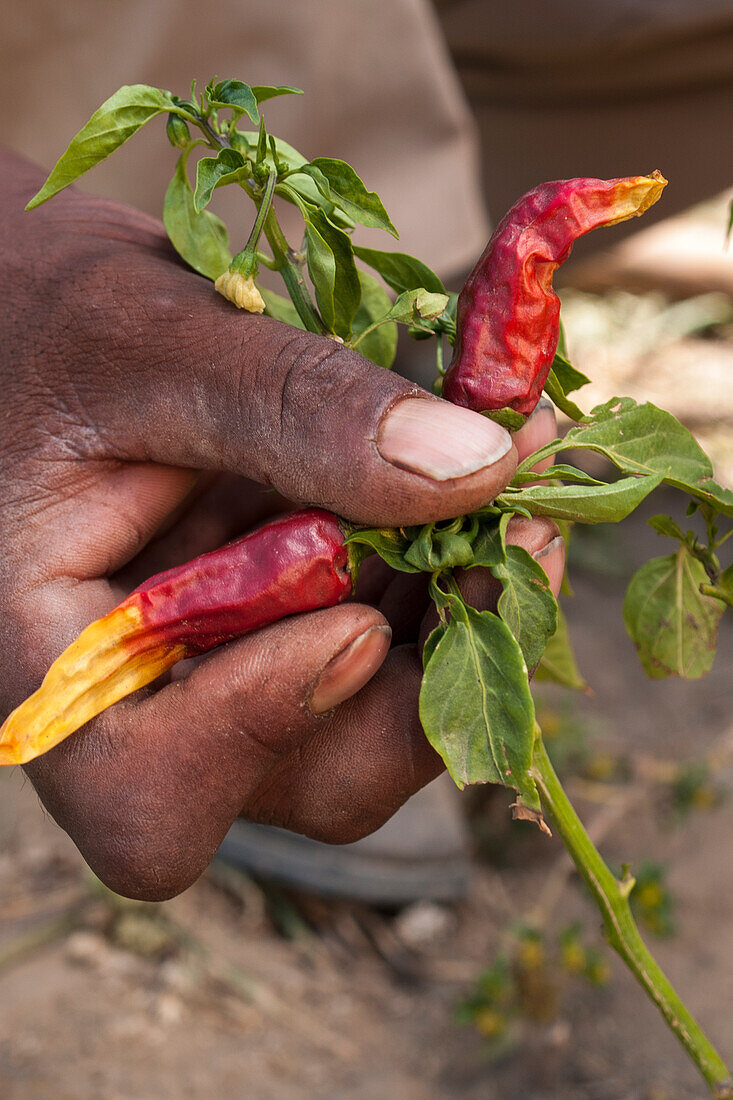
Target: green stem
<point>621,931</point>
<point>292,276</point>
<point>719,542</point>
<point>243,260</point>
<point>717,593</point>
<point>367,331</point>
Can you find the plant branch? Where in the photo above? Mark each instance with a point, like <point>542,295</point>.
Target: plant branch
<point>612,897</point>
<point>292,276</point>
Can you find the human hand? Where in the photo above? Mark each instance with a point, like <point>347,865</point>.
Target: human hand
<point>139,406</point>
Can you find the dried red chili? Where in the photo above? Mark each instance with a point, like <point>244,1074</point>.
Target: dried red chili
<point>508,319</point>
<point>296,563</point>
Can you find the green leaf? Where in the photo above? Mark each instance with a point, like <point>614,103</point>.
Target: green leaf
<point>475,703</point>
<point>282,309</point>
<point>303,192</point>
<point>236,94</point>
<point>400,271</point>
<point>437,548</point>
<point>489,547</point>
<point>568,376</point>
<point>227,166</point>
<point>264,149</point>
<point>583,503</point>
<point>665,525</point>
<point>526,604</point>
<point>346,187</point>
<point>554,390</point>
<point>333,273</point>
<point>201,239</point>
<point>715,496</point>
<point>347,288</point>
<point>388,542</point>
<point>322,270</point>
<point>263,92</point>
<point>119,117</point>
<point>562,344</point>
<point>562,380</point>
<point>432,641</point>
<point>558,662</point>
<point>645,439</point>
<point>672,624</point>
<point>560,470</point>
<point>416,305</point>
<point>379,345</point>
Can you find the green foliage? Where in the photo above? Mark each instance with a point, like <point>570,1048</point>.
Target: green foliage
<point>282,309</point>
<point>263,92</point>
<point>584,503</point>
<point>390,543</point>
<point>526,604</point>
<point>200,238</point>
<point>333,271</point>
<point>377,342</point>
<point>475,704</point>
<point>228,166</point>
<point>672,624</point>
<point>235,94</point>
<point>558,662</point>
<point>119,117</point>
<point>400,271</point>
<point>344,185</point>
<point>562,380</point>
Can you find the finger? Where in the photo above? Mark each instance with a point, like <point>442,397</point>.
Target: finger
<point>191,381</point>
<point>148,790</point>
<point>539,429</point>
<point>359,768</point>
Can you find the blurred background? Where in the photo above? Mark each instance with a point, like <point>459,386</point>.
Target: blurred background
<point>245,988</point>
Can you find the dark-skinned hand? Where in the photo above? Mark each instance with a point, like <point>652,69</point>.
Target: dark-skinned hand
<point>144,421</point>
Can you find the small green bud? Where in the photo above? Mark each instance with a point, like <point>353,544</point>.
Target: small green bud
<point>178,133</point>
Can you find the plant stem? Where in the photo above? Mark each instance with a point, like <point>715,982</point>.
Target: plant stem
<point>717,593</point>
<point>243,261</point>
<point>292,276</point>
<point>612,898</point>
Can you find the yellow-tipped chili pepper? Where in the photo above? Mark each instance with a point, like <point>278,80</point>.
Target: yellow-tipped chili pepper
<point>296,563</point>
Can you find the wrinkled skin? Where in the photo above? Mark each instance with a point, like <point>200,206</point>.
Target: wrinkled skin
<point>142,416</point>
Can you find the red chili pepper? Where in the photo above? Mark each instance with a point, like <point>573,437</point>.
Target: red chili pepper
<point>296,563</point>
<point>508,319</point>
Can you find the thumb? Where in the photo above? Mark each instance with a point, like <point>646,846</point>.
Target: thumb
<point>191,381</point>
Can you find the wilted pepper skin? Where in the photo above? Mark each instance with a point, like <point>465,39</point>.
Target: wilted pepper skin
<point>508,317</point>
<point>295,563</point>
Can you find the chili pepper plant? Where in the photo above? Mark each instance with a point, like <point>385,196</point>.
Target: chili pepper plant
<point>475,703</point>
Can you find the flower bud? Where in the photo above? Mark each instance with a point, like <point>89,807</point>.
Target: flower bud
<point>178,133</point>
<point>241,290</point>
